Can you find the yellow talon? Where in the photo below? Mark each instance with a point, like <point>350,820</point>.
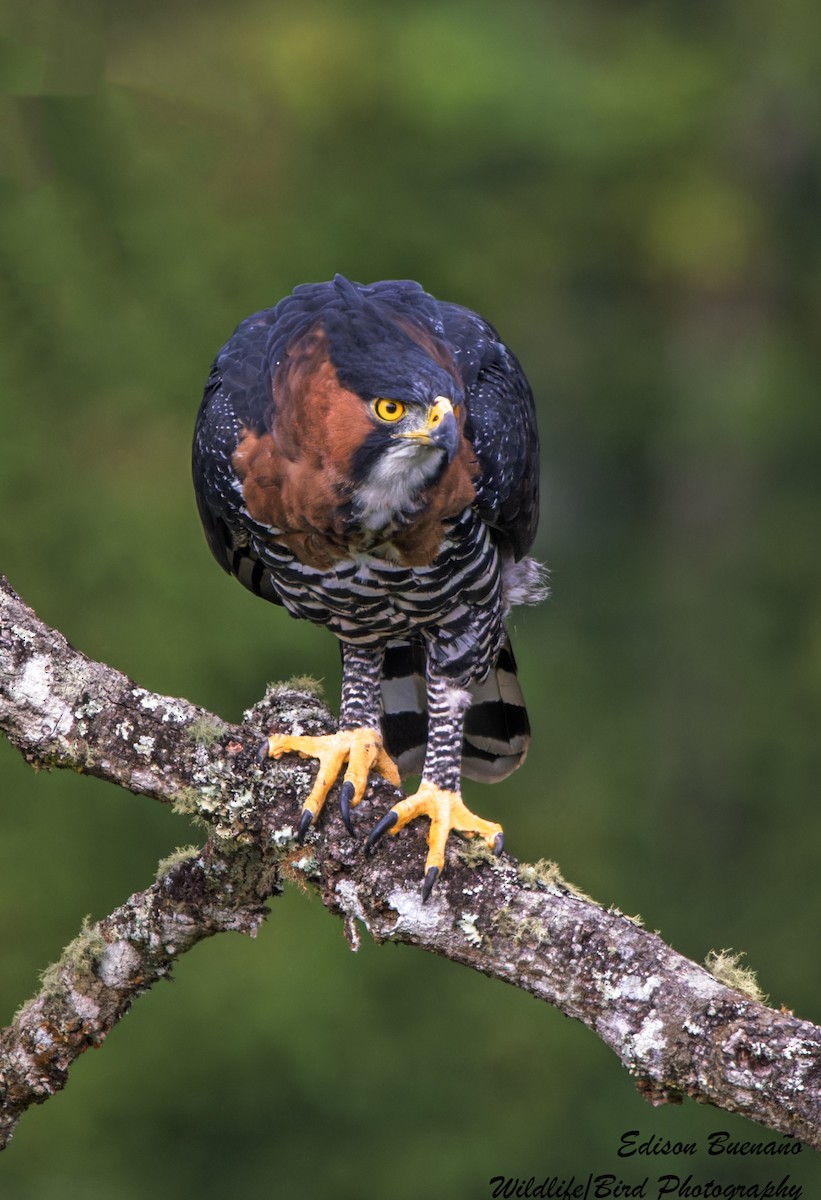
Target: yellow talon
<point>446,811</point>
<point>361,748</point>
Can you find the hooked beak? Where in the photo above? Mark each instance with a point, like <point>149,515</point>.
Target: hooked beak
<point>440,428</point>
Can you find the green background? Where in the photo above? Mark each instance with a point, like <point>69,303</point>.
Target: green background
<point>630,192</point>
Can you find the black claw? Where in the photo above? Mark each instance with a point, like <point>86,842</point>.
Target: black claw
<point>431,875</point>
<point>346,794</point>
<point>304,825</point>
<point>382,827</point>
<point>498,843</point>
<point>262,752</point>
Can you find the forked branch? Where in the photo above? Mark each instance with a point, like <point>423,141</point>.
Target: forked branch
<point>677,1029</point>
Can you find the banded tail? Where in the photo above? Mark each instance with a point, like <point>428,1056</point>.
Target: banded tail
<point>497,731</point>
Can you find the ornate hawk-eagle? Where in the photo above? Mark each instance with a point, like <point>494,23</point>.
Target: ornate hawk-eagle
<point>367,456</point>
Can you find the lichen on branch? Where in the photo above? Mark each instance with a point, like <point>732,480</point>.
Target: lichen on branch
<point>677,1028</point>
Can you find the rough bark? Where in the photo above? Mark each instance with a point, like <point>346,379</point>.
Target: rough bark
<point>678,1029</point>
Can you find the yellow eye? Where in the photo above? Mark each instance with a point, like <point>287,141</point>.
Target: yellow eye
<point>388,410</point>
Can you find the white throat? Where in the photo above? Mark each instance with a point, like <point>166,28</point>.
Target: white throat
<point>394,483</point>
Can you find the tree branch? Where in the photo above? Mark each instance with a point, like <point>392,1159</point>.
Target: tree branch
<point>677,1029</point>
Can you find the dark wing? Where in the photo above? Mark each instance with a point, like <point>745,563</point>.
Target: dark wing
<point>501,424</point>
<point>237,396</point>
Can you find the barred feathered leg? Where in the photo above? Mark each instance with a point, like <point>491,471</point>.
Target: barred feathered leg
<point>439,795</point>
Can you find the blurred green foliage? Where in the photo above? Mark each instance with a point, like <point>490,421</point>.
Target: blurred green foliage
<point>630,192</point>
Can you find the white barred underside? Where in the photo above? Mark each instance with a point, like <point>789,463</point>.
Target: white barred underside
<point>456,601</point>
<point>450,699</point>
